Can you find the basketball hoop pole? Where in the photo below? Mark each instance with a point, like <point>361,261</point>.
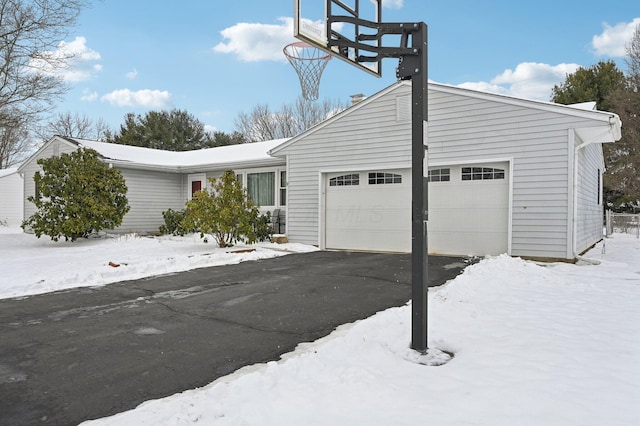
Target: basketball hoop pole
<point>417,66</point>
<point>355,35</point>
<point>412,66</point>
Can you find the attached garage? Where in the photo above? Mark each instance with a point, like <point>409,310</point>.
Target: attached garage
<point>368,210</point>
<point>507,175</point>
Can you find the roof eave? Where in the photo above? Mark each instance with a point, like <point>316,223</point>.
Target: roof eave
<point>198,167</point>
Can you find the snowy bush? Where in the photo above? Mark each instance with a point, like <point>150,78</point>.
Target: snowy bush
<point>76,194</point>
<point>173,222</point>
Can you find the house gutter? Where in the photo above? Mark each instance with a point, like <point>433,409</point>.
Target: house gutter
<point>194,168</point>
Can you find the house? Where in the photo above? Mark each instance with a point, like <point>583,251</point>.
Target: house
<point>158,180</point>
<point>11,196</point>
<point>506,175</point>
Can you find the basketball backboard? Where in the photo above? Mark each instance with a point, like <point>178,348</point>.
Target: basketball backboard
<point>320,23</point>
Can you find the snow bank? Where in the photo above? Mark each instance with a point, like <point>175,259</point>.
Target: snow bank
<point>32,266</point>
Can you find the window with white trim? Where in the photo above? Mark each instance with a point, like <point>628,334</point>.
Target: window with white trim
<point>482,173</point>
<point>261,188</point>
<point>283,188</point>
<point>439,175</point>
<point>599,187</point>
<point>345,180</point>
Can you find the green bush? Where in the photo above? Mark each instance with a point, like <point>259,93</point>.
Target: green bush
<point>262,227</point>
<point>225,212</point>
<point>76,194</point>
<point>173,222</point>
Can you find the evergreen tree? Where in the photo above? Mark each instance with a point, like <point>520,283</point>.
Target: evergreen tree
<point>590,84</point>
<point>76,194</point>
<point>174,130</point>
<point>225,212</point>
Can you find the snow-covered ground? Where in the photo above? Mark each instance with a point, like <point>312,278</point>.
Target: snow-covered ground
<point>534,344</point>
<point>29,265</point>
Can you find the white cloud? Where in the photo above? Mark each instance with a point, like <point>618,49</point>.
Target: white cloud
<point>72,61</point>
<point>257,42</point>
<point>613,40</point>
<point>142,98</point>
<point>529,80</point>
<point>88,95</point>
<point>209,128</point>
<point>131,75</point>
<point>393,4</point>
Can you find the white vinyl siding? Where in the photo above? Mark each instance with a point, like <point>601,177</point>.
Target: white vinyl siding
<point>463,128</point>
<point>11,200</point>
<point>590,211</point>
<point>149,194</point>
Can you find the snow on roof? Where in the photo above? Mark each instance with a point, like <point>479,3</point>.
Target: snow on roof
<point>222,155</point>
<point>589,106</point>
<point>9,171</point>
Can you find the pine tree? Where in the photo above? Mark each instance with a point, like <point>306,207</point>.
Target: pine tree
<point>76,194</point>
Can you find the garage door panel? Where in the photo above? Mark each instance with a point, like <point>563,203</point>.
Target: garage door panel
<point>368,219</point>
<point>368,216</point>
<point>469,217</point>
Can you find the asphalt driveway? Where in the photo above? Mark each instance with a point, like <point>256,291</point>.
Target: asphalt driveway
<point>86,353</point>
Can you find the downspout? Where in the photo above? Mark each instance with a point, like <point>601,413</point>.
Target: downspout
<point>572,211</point>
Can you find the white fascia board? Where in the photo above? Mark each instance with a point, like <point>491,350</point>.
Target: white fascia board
<point>195,168</point>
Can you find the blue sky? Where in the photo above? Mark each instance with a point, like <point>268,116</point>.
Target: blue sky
<point>217,59</point>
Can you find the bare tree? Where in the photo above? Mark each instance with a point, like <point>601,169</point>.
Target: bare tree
<point>622,178</point>
<point>30,31</point>
<point>263,124</point>
<point>74,126</point>
<point>633,53</point>
<point>633,59</point>
<point>14,138</point>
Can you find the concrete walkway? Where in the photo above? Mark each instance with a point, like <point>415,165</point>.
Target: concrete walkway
<point>86,353</point>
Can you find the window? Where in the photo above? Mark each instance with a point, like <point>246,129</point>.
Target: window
<point>37,193</point>
<point>261,188</point>
<point>283,188</point>
<point>378,178</point>
<point>345,180</point>
<point>599,187</point>
<point>439,175</point>
<point>239,177</point>
<point>482,173</point>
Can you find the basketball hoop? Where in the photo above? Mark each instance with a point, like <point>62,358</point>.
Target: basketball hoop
<point>309,63</point>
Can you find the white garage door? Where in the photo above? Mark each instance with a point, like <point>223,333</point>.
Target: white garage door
<point>469,209</point>
<point>368,210</point>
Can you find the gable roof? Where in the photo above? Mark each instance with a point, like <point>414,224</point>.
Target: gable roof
<point>608,131</point>
<point>218,158</point>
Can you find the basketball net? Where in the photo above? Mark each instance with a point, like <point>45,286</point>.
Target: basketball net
<point>309,63</point>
